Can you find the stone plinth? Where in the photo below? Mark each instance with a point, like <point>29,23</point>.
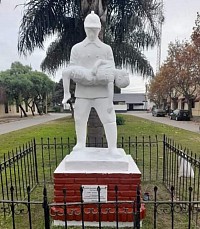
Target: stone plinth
<point>95,166</point>
<point>95,160</point>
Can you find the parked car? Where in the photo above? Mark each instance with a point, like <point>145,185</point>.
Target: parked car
<point>180,115</point>
<point>158,112</point>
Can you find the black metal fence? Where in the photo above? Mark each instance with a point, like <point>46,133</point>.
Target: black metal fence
<point>20,170</point>
<point>181,169</point>
<point>160,214</point>
<point>160,161</point>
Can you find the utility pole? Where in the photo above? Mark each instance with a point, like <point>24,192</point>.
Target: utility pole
<point>161,20</point>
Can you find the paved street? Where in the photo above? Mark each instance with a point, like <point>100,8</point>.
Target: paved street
<point>186,125</point>
<point>20,123</point>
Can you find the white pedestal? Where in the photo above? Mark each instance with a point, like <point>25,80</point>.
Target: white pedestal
<point>96,167</point>
<point>97,160</point>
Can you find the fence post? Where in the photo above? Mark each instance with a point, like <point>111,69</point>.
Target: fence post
<point>116,206</point>
<point>99,205</point>
<point>155,207</point>
<point>138,200</point>
<point>46,209</point>
<point>172,207</point>
<point>82,207</point>
<point>65,205</point>
<point>12,206</point>
<point>29,207</point>
<point>35,156</point>
<point>190,207</point>
<point>164,151</point>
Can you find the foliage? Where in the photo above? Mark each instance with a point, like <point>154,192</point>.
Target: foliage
<point>120,120</point>
<point>162,87</point>
<point>128,26</point>
<point>179,75</point>
<point>58,93</point>
<point>23,86</point>
<point>196,32</point>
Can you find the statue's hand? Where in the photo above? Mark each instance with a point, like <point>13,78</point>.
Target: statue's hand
<point>109,110</point>
<point>66,98</point>
<point>96,66</point>
<point>110,106</point>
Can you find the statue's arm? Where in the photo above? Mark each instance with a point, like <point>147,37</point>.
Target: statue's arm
<point>104,68</point>
<point>66,75</point>
<point>66,85</point>
<point>110,56</point>
<point>79,74</point>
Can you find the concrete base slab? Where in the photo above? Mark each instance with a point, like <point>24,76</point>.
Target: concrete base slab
<point>95,224</point>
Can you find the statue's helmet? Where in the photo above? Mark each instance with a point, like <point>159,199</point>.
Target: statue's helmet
<point>92,21</point>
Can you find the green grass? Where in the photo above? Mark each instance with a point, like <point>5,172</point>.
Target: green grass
<point>133,127</point>
<point>58,128</point>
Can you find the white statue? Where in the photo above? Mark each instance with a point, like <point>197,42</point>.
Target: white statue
<point>92,68</point>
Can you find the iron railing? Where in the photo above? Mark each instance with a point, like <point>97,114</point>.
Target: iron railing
<point>159,161</point>
<point>181,169</point>
<point>162,214</point>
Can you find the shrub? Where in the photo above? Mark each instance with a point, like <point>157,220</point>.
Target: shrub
<point>57,109</point>
<point>120,120</point>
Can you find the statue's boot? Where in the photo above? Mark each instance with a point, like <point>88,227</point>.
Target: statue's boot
<point>81,131</point>
<point>111,136</point>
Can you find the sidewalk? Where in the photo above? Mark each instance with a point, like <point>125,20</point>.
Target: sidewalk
<point>16,123</point>
<point>186,125</point>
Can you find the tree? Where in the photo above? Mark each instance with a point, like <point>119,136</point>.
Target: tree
<point>162,87</point>
<point>43,87</point>
<point>128,26</point>
<point>184,59</point>
<point>22,85</point>
<point>15,84</point>
<point>155,91</point>
<point>58,93</point>
<point>195,37</point>
<point>179,75</point>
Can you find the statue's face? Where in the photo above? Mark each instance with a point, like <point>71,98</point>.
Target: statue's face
<point>92,33</point>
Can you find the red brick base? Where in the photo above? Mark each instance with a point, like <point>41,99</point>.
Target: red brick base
<point>127,185</point>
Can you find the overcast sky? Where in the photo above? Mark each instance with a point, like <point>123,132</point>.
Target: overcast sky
<point>179,15</point>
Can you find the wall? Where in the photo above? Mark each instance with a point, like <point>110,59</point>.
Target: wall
<point>120,107</point>
<point>196,109</point>
<point>12,111</point>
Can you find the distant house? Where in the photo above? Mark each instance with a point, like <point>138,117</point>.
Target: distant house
<point>10,109</point>
<point>130,102</point>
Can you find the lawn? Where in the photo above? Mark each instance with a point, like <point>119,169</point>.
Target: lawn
<point>133,127</point>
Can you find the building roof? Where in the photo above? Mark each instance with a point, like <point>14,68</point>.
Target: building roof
<point>129,98</point>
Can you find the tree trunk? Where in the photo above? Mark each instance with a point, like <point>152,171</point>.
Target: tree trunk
<point>95,130</point>
<point>23,111</point>
<point>31,107</point>
<point>190,107</point>
<point>38,108</point>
